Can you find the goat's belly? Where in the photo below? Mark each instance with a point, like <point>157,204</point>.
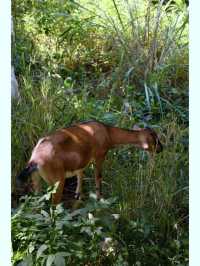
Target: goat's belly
<point>73,173</point>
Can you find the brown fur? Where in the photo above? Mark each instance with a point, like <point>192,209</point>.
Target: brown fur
<point>67,151</point>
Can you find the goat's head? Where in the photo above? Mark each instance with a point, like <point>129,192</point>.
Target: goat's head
<point>149,139</point>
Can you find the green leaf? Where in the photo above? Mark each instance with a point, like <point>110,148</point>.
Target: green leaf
<point>63,254</point>
<point>87,230</point>
<point>45,214</point>
<point>31,247</point>
<point>22,263</point>
<point>81,212</point>
<point>147,96</point>
<point>59,208</point>
<point>50,260</point>
<point>26,262</point>
<point>41,249</point>
<point>59,260</point>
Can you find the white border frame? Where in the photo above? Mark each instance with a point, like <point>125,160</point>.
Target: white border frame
<point>5,133</point>
<point>194,133</point>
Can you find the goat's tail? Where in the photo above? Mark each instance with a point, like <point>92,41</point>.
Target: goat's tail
<point>26,172</point>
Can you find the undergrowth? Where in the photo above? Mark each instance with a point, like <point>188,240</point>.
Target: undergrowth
<point>94,234</point>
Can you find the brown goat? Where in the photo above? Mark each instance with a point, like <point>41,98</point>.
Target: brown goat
<point>68,151</point>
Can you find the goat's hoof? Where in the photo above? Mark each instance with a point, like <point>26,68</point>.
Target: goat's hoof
<point>77,196</point>
<point>99,197</point>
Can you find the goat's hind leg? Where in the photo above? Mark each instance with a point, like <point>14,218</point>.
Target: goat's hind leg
<point>36,182</point>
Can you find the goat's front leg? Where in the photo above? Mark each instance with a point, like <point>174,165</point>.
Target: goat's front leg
<point>79,185</point>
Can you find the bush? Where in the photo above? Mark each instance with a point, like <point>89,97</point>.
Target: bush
<point>93,235</point>
<point>43,235</point>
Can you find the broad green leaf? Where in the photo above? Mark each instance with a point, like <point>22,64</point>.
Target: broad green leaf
<point>87,230</point>
<point>31,247</point>
<point>22,263</point>
<point>63,254</point>
<point>26,262</point>
<point>41,249</point>
<point>50,260</point>
<point>59,260</point>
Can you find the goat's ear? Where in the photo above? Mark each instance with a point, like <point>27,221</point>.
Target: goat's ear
<point>136,127</point>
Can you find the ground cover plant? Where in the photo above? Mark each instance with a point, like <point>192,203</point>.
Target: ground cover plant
<point>122,63</point>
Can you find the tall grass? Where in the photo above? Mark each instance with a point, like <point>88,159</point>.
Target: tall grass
<point>144,37</point>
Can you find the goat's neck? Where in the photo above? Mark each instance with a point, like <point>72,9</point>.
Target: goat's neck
<point>120,136</point>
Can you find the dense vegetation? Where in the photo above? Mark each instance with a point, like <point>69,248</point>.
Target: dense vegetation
<point>123,63</point>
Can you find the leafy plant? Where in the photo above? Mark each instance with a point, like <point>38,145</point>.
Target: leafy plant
<point>94,234</point>
<point>57,236</point>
